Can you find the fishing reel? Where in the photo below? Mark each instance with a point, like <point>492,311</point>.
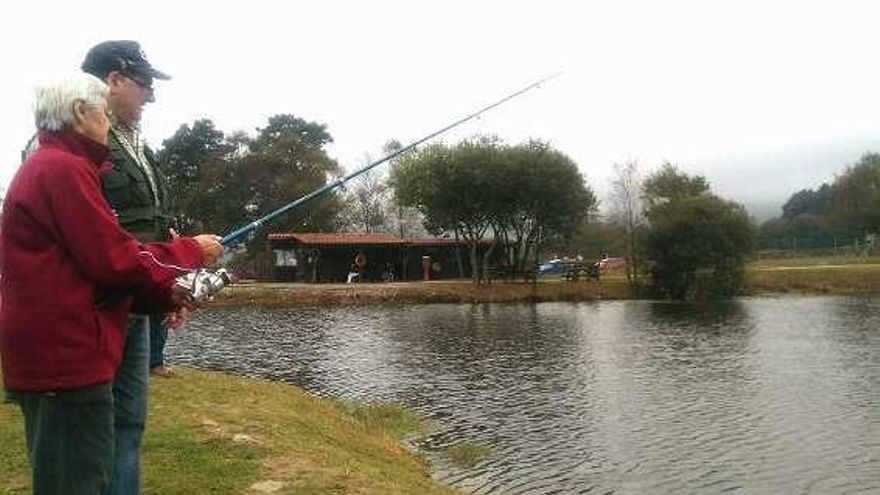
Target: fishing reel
<point>203,284</point>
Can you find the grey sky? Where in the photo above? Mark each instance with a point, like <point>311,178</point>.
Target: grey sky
<point>763,98</point>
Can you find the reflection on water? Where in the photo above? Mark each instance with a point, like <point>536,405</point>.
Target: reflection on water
<point>770,395</point>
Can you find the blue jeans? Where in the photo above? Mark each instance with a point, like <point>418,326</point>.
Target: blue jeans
<point>69,438</point>
<point>158,336</point>
<point>130,388</point>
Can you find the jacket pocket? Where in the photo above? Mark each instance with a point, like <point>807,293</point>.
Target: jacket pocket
<point>124,191</point>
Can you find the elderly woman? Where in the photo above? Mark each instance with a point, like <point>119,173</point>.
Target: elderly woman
<point>70,276</point>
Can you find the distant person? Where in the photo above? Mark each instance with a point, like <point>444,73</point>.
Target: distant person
<point>70,277</point>
<point>353,273</point>
<point>388,275</point>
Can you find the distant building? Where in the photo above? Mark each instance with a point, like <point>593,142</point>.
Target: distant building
<point>375,257</point>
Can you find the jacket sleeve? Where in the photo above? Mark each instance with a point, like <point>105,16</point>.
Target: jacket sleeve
<point>101,248</point>
<point>153,300</point>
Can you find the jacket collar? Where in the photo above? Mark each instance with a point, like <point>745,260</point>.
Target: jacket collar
<point>76,143</point>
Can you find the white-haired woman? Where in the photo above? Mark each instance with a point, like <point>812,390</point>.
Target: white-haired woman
<point>70,276</point>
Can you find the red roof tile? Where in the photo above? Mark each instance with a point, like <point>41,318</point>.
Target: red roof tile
<point>433,241</point>
<point>360,239</point>
<point>339,238</point>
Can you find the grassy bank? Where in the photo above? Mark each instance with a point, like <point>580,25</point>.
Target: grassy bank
<point>826,275</point>
<point>214,433</point>
<point>455,291</point>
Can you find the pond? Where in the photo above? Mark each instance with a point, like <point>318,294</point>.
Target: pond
<point>757,395</point>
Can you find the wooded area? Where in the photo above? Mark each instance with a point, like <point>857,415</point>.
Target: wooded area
<point>528,200</point>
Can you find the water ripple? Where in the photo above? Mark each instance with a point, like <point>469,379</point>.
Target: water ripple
<point>774,395</point>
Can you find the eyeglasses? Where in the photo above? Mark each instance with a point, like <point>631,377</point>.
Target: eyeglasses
<point>146,86</point>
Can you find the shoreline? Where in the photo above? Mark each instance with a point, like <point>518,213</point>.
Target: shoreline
<point>274,294</point>
<point>797,277</point>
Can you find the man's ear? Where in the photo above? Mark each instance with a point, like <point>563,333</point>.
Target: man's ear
<point>114,78</point>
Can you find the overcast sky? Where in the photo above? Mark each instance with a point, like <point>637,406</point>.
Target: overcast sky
<point>764,98</point>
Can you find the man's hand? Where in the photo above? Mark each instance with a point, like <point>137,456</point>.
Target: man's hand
<point>211,247</point>
<point>182,298</point>
<point>176,319</point>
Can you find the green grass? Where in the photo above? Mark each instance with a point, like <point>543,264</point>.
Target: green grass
<point>214,433</point>
<point>804,261</point>
<point>467,454</point>
<point>827,275</point>
<point>14,475</point>
<point>395,419</point>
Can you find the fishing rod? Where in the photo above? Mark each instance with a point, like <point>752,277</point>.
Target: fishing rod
<point>202,284</point>
<point>238,234</point>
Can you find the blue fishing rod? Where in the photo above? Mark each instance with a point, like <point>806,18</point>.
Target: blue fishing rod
<point>202,284</point>
<point>240,233</point>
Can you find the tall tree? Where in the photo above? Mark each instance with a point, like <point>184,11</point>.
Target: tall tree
<point>543,200</point>
<point>366,203</point>
<point>809,201</point>
<point>407,220</point>
<point>698,243</point>
<point>286,161</point>
<point>185,158</point>
<point>856,202</point>
<point>486,192</point>
<point>626,204</point>
<point>226,183</point>
<point>670,184</point>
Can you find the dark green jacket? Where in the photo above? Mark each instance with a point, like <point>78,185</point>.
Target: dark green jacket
<point>127,188</point>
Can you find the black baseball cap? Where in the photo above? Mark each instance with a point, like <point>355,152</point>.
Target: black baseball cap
<point>123,56</point>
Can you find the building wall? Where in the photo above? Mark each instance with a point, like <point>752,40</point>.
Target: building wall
<point>332,264</point>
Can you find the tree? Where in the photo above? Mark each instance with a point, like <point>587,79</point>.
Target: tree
<point>698,243</point>
<point>595,237</point>
<point>518,194</point>
<point>627,213</point>
<point>449,186</point>
<point>366,203</point>
<point>185,159</point>
<point>542,201</point>
<point>285,161</point>
<point>225,183</point>
<point>670,184</point>
<point>856,196</point>
<point>407,220</point>
<point>808,201</point>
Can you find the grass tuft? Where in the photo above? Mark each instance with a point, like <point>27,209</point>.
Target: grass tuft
<point>467,454</point>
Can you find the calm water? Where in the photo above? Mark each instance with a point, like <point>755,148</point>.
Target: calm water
<point>769,395</point>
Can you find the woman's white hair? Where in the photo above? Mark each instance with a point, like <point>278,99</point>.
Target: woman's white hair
<point>53,108</point>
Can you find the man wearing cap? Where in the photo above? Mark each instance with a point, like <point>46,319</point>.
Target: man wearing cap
<point>138,193</point>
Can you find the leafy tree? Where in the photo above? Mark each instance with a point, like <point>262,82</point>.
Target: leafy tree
<point>808,201</point>
<point>284,162</point>
<point>670,184</point>
<point>543,200</point>
<point>185,159</point>
<point>482,186</point>
<point>595,237</point>
<point>407,220</point>
<point>449,187</point>
<point>856,197</point>
<point>226,182</point>
<point>698,243</point>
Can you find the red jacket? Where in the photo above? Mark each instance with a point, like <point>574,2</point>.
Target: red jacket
<point>63,254</point>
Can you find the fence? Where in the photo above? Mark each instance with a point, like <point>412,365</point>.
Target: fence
<point>786,246</point>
